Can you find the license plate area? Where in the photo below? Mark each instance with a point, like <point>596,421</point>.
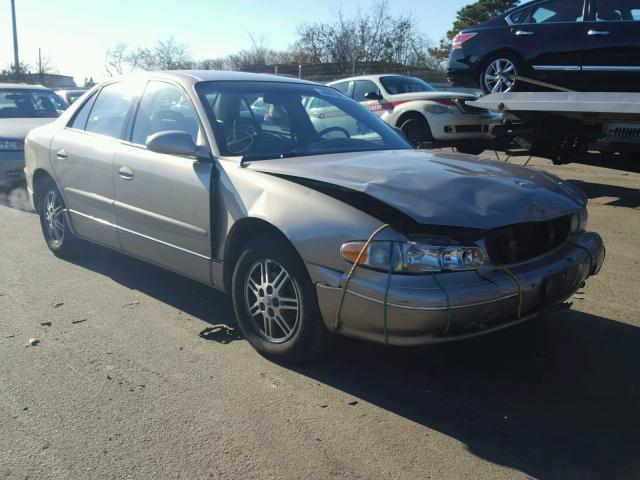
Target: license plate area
<point>561,284</point>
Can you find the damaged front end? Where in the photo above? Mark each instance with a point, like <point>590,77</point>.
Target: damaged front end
<point>486,246</point>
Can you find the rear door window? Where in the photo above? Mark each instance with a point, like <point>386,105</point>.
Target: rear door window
<point>342,87</point>
<point>558,11</point>
<point>110,110</point>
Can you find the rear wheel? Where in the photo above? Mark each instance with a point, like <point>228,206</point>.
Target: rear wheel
<point>499,74</point>
<point>51,209</point>
<point>416,130</point>
<point>275,302</point>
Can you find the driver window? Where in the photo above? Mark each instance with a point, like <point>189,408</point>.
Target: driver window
<point>164,107</point>
<point>362,87</point>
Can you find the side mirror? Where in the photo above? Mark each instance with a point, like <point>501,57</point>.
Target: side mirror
<point>172,142</point>
<point>372,96</point>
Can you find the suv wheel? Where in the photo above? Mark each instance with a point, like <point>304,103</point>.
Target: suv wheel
<point>275,302</point>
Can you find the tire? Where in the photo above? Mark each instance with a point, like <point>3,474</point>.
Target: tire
<point>501,66</point>
<point>271,324</point>
<point>470,149</point>
<point>53,222</point>
<point>416,130</point>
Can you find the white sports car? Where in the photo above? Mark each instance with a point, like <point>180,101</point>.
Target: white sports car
<point>424,114</point>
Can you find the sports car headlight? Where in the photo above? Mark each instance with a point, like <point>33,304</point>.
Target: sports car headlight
<point>11,144</point>
<point>413,257</point>
<point>579,221</point>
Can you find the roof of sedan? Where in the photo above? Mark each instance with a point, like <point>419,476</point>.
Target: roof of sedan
<point>368,77</point>
<point>194,76</point>
<point>22,86</point>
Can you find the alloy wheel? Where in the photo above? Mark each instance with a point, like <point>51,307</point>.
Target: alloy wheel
<point>54,217</point>
<point>500,76</point>
<point>272,301</point>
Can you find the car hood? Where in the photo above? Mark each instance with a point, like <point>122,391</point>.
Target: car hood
<point>19,127</point>
<point>441,189</point>
<point>409,97</point>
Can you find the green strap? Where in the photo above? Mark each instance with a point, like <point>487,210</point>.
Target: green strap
<point>446,296</point>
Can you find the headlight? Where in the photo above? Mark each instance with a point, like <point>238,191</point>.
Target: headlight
<point>11,145</point>
<point>414,257</point>
<point>436,108</point>
<point>579,221</point>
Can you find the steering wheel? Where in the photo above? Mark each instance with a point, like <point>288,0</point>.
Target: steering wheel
<point>322,133</point>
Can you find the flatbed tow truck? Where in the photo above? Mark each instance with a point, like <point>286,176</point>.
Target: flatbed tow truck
<point>562,126</point>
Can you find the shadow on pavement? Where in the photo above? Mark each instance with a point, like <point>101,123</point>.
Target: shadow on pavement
<point>555,398</point>
<point>624,197</point>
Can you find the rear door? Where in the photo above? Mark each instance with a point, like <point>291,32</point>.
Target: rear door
<point>613,35</point>
<point>82,157</point>
<point>551,37</point>
<point>163,201</point>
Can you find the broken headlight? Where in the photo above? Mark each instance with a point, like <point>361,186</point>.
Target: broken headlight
<point>579,221</point>
<point>413,257</point>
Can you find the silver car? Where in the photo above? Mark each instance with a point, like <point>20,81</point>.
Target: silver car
<point>311,232</point>
<point>22,107</point>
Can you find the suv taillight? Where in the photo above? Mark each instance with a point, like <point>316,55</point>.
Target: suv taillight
<point>460,39</point>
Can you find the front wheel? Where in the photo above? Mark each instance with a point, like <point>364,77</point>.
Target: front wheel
<point>53,221</point>
<point>275,302</point>
<point>417,131</point>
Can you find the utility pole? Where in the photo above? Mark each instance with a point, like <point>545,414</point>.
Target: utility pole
<point>16,58</point>
<point>40,66</point>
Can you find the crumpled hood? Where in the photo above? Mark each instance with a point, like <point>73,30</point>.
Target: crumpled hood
<point>410,97</point>
<point>441,189</point>
<point>19,127</point>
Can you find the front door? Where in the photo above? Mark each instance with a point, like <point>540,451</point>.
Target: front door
<point>163,201</point>
<point>613,36</point>
<point>82,157</point>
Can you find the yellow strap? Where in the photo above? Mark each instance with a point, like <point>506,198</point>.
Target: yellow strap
<point>353,270</point>
<point>520,289</point>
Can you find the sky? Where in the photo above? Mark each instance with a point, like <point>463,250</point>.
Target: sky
<point>75,34</point>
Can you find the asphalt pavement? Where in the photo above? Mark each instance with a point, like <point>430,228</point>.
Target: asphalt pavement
<point>139,374</point>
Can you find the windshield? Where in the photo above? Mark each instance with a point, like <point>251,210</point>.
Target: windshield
<point>18,103</point>
<point>263,120</point>
<point>395,84</point>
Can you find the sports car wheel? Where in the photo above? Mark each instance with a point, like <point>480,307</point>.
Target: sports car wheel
<point>275,302</point>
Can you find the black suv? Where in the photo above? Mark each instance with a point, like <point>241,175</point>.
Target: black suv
<point>586,45</point>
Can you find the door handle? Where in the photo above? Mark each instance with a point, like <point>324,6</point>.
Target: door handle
<point>594,33</point>
<point>524,33</point>
<point>126,173</point>
<point>62,154</point>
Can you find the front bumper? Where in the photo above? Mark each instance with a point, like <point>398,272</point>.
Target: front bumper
<point>11,167</point>
<point>417,311</point>
<point>462,126</point>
